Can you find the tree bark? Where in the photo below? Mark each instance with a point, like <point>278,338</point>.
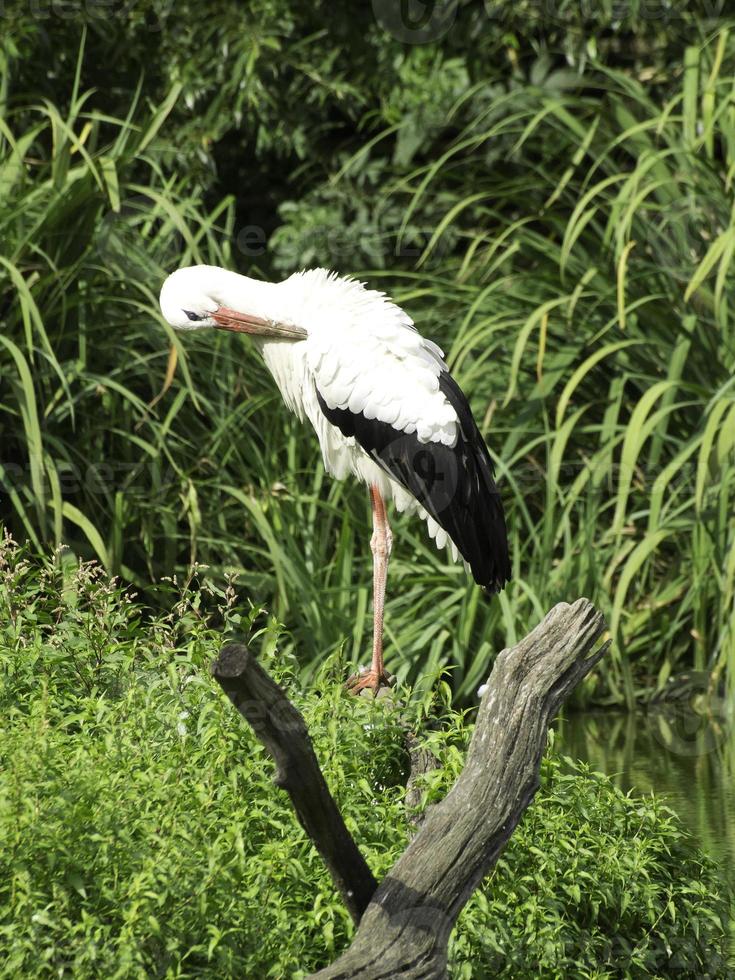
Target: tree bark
<point>405,923</point>
<point>282,730</point>
<point>405,929</point>
<point>421,762</point>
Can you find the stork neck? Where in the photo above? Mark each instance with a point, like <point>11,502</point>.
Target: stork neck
<point>248,295</point>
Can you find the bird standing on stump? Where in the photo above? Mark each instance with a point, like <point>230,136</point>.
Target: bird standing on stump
<point>382,403</point>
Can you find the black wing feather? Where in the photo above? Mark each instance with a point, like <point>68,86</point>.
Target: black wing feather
<point>454,484</point>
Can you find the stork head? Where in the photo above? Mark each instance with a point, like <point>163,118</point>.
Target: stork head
<point>202,296</point>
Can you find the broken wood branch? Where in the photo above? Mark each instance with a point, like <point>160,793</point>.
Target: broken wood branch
<point>282,730</point>
<point>405,923</point>
<point>405,929</point>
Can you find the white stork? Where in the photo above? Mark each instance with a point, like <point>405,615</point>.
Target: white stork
<point>382,403</point>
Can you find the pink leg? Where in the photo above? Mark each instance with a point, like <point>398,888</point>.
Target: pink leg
<point>380,544</point>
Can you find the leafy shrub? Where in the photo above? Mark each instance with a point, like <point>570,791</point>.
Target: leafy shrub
<point>142,835</point>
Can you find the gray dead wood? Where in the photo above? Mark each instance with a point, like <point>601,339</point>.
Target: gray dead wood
<point>421,762</point>
<point>406,922</point>
<point>405,929</point>
<point>282,730</point>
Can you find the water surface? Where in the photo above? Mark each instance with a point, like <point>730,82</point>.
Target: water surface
<point>673,752</point>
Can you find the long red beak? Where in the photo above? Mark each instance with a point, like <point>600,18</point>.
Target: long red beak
<point>227,319</point>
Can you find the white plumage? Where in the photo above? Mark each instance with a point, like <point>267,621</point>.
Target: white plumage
<point>364,354</point>
<point>379,397</point>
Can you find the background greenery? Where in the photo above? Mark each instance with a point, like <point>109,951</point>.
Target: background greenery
<point>192,864</point>
<point>546,188</point>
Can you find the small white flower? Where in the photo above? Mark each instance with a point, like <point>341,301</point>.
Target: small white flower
<point>481,689</point>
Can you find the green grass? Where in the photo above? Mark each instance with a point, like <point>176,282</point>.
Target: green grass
<point>142,835</point>
<point>567,237</point>
<point>587,308</point>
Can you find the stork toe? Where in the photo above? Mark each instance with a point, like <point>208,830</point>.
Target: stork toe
<point>377,682</point>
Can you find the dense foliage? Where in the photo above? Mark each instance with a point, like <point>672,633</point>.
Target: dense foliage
<point>142,835</point>
<point>546,188</point>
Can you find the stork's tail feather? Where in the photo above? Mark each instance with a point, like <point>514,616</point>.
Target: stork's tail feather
<point>453,485</point>
<point>474,518</point>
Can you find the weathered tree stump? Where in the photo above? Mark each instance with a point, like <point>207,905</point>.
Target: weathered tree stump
<point>405,922</point>
<point>282,730</point>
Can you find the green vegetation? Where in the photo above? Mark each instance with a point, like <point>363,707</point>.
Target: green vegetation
<point>548,190</point>
<point>550,197</point>
<point>142,835</point>
<point>686,758</point>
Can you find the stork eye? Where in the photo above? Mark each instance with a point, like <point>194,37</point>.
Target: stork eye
<point>193,316</point>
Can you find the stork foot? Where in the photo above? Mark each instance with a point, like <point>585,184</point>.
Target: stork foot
<point>377,682</point>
